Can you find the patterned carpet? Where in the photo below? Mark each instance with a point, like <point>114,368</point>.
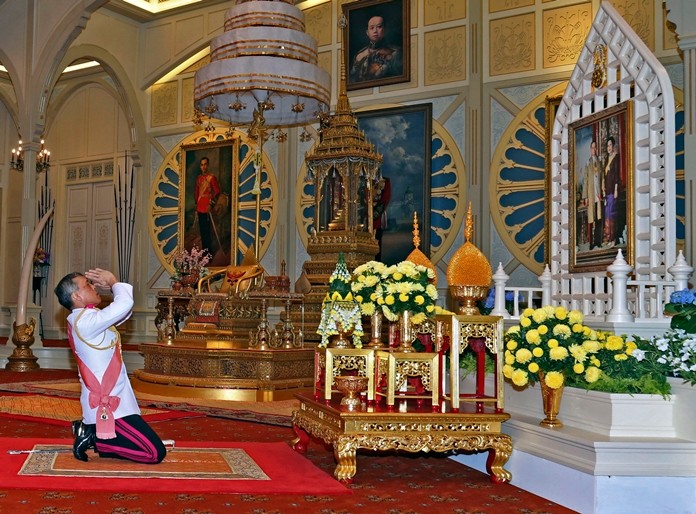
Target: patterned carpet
<point>393,483</point>
<point>272,413</point>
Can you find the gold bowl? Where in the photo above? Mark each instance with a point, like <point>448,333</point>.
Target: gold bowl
<point>351,386</point>
<point>467,296</point>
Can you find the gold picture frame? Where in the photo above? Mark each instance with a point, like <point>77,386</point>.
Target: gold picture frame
<point>551,104</point>
<point>377,43</point>
<point>222,156</point>
<point>600,188</point>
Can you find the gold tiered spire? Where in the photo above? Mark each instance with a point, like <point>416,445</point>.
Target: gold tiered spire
<point>469,266</point>
<point>344,167</point>
<point>417,256</point>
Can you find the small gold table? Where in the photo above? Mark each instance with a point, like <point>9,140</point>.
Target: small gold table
<point>397,367</point>
<point>336,360</point>
<point>376,428</point>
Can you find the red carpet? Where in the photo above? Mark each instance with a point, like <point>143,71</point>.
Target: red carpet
<point>282,471</point>
<point>394,483</point>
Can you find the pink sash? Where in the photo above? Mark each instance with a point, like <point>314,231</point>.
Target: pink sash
<point>99,393</point>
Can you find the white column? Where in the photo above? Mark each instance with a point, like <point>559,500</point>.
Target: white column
<point>683,14</point>
<point>500,280</point>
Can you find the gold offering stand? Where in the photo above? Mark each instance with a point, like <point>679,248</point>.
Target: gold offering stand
<point>412,422</point>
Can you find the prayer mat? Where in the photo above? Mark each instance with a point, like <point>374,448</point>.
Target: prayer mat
<point>61,411</point>
<point>191,467</point>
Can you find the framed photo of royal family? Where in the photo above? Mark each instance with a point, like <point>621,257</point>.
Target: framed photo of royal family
<point>403,135</point>
<point>377,43</point>
<point>601,188</point>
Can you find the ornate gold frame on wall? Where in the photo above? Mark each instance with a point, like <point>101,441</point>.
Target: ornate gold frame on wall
<point>224,167</point>
<point>394,13</point>
<point>551,104</point>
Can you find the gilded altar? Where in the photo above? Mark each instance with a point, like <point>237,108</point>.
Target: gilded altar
<point>380,429</point>
<point>212,357</point>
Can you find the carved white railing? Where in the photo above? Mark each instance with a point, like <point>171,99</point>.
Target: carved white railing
<point>620,300</point>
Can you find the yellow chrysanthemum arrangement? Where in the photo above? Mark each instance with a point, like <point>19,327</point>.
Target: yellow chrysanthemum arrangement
<point>407,286</point>
<point>366,279</point>
<point>554,343</point>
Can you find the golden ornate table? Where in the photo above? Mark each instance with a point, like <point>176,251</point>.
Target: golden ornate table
<point>376,428</point>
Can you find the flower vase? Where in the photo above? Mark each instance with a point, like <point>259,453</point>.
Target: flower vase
<point>343,338</point>
<point>376,330</point>
<point>406,333</point>
<point>551,400</point>
<point>188,280</point>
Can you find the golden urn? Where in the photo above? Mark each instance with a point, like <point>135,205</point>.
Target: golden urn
<point>469,273</point>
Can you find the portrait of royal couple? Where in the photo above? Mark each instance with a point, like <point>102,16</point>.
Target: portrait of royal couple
<point>600,190</point>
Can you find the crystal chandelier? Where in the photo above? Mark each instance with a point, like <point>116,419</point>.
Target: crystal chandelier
<point>43,158</point>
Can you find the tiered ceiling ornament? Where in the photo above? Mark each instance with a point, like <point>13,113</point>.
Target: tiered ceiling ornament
<point>264,67</point>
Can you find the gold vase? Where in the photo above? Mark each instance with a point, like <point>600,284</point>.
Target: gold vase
<point>188,280</point>
<point>376,330</point>
<point>551,399</point>
<point>406,336</point>
<point>344,337</point>
<point>466,297</point>
<point>351,386</point>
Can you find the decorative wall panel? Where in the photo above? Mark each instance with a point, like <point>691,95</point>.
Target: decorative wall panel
<point>564,33</point>
<point>186,100</point>
<point>318,23</point>
<point>164,104</point>
<point>640,15</point>
<point>512,45</point>
<point>438,11</point>
<point>505,5</point>
<point>445,56</point>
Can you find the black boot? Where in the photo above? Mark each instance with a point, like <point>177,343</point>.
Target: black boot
<point>85,438</point>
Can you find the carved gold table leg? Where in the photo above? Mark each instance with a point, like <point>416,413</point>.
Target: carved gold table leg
<point>346,462</point>
<point>498,455</point>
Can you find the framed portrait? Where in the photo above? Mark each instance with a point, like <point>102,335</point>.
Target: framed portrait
<point>211,228</point>
<point>551,104</point>
<point>601,188</point>
<point>377,49</point>
<point>403,135</point>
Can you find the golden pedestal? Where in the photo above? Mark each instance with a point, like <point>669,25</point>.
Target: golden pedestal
<point>339,360</point>
<point>396,367</point>
<point>210,356</point>
<point>378,429</point>
<point>224,374</point>
<point>483,334</point>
